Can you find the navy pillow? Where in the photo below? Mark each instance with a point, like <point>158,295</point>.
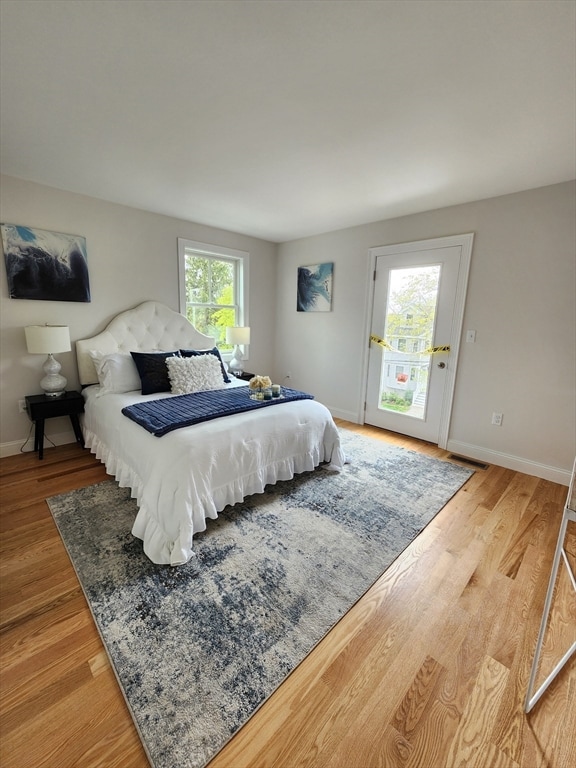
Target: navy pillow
<point>215,351</point>
<point>153,371</point>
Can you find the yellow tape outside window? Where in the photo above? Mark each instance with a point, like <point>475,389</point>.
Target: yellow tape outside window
<point>429,351</point>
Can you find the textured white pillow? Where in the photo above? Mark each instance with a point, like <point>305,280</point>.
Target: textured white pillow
<point>194,374</point>
<point>117,372</point>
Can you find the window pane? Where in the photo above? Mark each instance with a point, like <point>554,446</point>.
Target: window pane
<point>197,279</point>
<point>211,321</point>
<point>409,327</point>
<point>210,287</point>
<point>222,282</point>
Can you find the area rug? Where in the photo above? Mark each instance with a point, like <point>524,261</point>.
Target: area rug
<point>199,647</point>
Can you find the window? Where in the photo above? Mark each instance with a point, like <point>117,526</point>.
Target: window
<point>213,287</point>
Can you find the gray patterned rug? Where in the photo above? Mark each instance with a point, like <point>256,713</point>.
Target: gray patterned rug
<point>199,647</point>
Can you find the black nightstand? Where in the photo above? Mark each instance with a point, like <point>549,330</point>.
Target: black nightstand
<point>245,376</point>
<point>42,407</point>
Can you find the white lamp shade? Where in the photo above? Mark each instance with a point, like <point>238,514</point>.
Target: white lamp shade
<point>238,335</point>
<point>47,339</point>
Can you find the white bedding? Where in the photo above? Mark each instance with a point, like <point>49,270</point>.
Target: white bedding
<point>191,474</point>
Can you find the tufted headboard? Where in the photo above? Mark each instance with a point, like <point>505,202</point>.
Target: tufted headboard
<point>148,327</point>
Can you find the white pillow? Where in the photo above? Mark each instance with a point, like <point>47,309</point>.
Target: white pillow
<point>117,372</point>
<point>194,374</point>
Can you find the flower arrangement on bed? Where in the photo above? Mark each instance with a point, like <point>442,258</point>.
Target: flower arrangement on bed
<point>168,422</point>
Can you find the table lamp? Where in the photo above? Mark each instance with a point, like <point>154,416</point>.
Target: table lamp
<point>237,335</point>
<point>48,340</point>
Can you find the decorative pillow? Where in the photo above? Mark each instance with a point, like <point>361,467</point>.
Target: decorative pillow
<point>116,372</point>
<point>153,371</point>
<point>194,374</point>
<point>214,351</point>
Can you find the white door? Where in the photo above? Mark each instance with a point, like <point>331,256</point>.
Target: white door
<point>418,304</point>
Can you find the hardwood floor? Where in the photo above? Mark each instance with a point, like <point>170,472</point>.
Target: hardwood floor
<point>428,670</point>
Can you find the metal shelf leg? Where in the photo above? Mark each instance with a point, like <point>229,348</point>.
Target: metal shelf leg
<point>532,698</point>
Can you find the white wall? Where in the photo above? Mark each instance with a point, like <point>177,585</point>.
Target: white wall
<point>132,257</point>
<point>520,301</point>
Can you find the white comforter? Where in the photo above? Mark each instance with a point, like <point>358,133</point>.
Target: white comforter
<point>191,474</point>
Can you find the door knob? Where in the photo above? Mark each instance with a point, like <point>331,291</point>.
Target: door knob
<point>441,365</point>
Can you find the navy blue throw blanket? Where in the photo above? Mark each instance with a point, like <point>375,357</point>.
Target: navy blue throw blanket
<point>167,414</point>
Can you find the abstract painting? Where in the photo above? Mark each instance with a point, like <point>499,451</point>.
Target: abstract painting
<point>315,288</point>
<point>48,266</point>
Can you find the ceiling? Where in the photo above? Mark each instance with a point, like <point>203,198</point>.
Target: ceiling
<point>286,118</point>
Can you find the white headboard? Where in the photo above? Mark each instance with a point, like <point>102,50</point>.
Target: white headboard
<point>148,327</point>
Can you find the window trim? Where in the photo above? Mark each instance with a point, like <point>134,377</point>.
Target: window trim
<point>206,249</point>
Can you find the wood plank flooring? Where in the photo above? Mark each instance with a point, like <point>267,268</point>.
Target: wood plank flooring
<point>428,670</point>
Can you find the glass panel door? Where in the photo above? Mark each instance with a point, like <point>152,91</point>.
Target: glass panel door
<point>418,304</point>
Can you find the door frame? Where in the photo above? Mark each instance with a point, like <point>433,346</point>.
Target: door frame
<point>465,242</point>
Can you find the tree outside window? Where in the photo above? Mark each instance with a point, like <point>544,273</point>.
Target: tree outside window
<point>210,293</point>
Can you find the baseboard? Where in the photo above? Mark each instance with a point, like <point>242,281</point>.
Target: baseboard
<point>345,415</point>
<point>27,446</point>
<point>516,463</point>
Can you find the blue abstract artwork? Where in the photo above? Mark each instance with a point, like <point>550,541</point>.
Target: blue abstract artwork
<point>43,265</point>
<point>315,288</point>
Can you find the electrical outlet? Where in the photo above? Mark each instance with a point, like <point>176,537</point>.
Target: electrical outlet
<point>497,419</point>
<point>21,406</point>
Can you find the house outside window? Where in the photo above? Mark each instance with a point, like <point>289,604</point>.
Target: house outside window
<point>213,283</point>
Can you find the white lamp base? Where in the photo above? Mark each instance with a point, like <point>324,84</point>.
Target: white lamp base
<point>53,384</point>
<point>236,365</point>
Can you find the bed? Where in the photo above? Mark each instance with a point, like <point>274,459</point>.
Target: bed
<point>192,473</point>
